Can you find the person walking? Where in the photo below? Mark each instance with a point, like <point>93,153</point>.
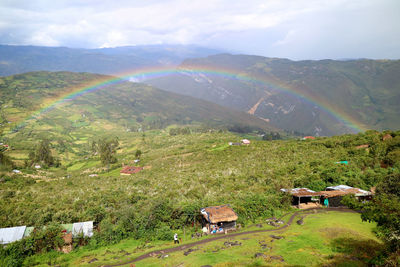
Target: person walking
<point>176,241</point>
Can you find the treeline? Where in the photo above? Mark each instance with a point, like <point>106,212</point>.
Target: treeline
<point>178,131</point>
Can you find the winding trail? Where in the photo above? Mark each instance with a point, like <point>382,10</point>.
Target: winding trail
<point>208,240</point>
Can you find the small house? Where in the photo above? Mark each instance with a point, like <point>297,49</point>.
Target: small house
<point>334,194</point>
<point>73,230</point>
<point>219,219</point>
<point>128,170</point>
<point>303,197</point>
<point>387,137</point>
<point>245,142</point>
<point>308,138</point>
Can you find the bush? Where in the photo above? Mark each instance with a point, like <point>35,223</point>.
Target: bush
<point>39,241</point>
<point>163,233</point>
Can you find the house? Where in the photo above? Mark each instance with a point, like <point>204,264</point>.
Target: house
<point>362,146</point>
<point>387,137</point>
<point>308,138</point>
<point>73,230</point>
<point>12,234</point>
<point>303,197</point>
<point>128,170</point>
<point>245,142</point>
<point>219,219</point>
<point>335,194</point>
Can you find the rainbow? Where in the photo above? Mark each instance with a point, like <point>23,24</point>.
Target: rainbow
<point>154,72</point>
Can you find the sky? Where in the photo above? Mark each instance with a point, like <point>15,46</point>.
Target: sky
<point>295,29</point>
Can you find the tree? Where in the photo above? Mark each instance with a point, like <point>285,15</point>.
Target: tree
<point>107,149</point>
<point>43,153</point>
<point>385,210</point>
<point>5,162</point>
<point>138,153</point>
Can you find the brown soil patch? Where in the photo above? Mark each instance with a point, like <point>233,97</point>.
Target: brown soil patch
<point>254,108</point>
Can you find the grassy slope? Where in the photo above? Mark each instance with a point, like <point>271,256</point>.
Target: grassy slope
<point>185,170</point>
<point>319,241</point>
<point>112,110</point>
<point>198,168</point>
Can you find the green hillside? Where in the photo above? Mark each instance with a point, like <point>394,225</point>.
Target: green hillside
<point>118,108</point>
<point>368,91</point>
<point>183,173</point>
<point>183,147</point>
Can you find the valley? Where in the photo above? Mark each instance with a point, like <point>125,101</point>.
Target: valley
<point>324,97</point>
<point>67,137</point>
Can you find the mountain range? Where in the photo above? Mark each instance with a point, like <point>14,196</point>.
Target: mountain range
<point>20,59</point>
<point>324,97</point>
<point>313,97</point>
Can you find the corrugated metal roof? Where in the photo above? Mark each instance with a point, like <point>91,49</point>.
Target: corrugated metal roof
<point>83,227</point>
<point>349,190</point>
<point>11,234</point>
<point>338,187</point>
<point>300,192</point>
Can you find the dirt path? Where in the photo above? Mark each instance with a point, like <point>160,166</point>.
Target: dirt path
<point>204,241</point>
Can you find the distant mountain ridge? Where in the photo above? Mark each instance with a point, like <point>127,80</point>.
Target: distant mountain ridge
<point>21,59</point>
<point>367,91</point>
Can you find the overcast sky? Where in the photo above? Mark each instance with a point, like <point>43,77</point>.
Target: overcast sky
<point>298,29</point>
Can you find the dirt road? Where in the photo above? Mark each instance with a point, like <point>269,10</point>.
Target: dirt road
<point>208,240</point>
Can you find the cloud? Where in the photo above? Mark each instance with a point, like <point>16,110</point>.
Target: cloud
<point>292,28</point>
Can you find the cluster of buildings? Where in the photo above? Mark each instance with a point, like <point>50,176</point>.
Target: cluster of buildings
<point>215,219</point>
<point>306,198</point>
<point>70,231</point>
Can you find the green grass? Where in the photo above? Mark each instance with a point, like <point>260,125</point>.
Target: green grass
<point>315,241</point>
<point>337,238</point>
<point>313,244</point>
<point>184,172</point>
